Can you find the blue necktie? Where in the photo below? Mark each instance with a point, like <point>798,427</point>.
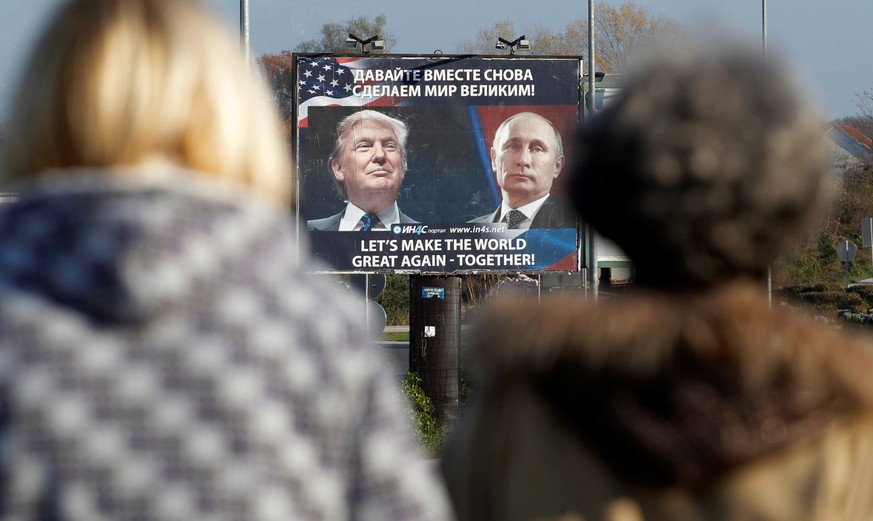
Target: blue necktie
<point>368,221</point>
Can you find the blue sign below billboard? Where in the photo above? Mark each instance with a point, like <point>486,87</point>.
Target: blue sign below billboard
<point>433,292</point>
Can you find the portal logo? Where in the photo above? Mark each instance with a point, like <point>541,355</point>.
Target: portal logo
<point>417,229</point>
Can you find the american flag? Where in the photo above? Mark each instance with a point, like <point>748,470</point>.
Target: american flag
<point>327,81</point>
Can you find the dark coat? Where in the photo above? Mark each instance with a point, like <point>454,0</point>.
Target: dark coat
<point>552,214</point>
<point>671,401</point>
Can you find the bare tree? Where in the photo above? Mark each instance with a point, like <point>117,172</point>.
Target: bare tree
<point>863,121</point>
<point>333,35</point>
<point>544,41</point>
<point>573,40</point>
<point>483,42</point>
<point>619,32</point>
<point>277,69</point>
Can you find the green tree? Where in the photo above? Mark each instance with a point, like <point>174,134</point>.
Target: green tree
<point>395,299</point>
<point>333,35</point>
<point>815,262</point>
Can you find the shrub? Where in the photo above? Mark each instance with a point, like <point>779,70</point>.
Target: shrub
<point>828,301</point>
<point>428,431</point>
<point>865,292</point>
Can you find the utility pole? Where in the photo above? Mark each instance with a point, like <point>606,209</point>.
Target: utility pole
<point>244,26</point>
<point>764,25</point>
<point>592,99</point>
<point>764,45</point>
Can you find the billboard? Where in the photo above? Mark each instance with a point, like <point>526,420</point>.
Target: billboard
<point>397,173</point>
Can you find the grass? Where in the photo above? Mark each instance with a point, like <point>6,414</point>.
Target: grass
<point>396,336</point>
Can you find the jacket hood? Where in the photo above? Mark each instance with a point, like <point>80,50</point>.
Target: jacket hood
<point>122,248</point>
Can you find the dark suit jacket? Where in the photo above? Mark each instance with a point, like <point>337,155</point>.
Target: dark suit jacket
<point>552,214</point>
<point>331,224</point>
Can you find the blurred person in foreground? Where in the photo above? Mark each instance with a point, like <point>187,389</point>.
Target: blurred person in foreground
<point>163,354</point>
<point>691,399</point>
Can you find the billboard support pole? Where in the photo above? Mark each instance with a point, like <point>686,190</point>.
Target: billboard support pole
<point>367,298</point>
<point>592,98</point>
<point>435,340</point>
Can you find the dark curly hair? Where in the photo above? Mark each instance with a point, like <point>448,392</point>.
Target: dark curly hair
<point>705,169</point>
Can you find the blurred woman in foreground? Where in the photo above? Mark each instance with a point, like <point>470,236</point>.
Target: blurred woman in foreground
<point>693,398</point>
<point>163,354</point>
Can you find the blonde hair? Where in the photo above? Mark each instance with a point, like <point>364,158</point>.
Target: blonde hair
<point>118,82</point>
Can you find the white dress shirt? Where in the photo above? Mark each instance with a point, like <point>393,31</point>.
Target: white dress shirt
<point>529,210</point>
<point>351,220</point>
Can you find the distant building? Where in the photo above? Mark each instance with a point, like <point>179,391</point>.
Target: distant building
<point>849,147</point>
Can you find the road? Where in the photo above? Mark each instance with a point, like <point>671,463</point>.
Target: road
<point>396,356</point>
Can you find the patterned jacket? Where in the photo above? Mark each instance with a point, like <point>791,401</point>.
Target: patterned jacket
<point>164,355</point>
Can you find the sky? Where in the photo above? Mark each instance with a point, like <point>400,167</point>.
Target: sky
<point>826,42</point>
